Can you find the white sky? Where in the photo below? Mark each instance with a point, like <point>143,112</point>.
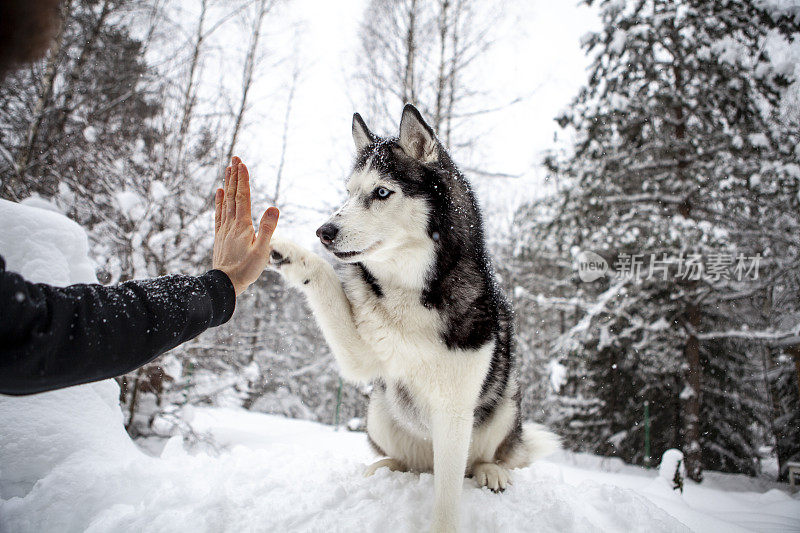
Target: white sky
<point>536,53</point>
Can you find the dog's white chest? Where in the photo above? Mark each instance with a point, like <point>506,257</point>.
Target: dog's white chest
<point>395,324</point>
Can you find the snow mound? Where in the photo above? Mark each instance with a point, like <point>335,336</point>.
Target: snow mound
<point>43,245</point>
<point>670,462</point>
<point>34,443</point>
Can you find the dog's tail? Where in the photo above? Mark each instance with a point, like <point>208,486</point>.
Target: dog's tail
<point>539,441</point>
<point>534,443</point>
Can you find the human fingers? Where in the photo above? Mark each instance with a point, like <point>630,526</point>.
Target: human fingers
<point>269,221</point>
<point>243,195</point>
<point>224,196</point>
<point>218,200</point>
<point>230,190</point>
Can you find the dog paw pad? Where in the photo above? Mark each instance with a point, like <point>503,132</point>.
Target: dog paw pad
<point>277,259</point>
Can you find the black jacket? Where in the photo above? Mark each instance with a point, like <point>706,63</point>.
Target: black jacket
<point>52,337</point>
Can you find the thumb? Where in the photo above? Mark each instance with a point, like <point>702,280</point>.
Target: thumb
<point>269,221</point>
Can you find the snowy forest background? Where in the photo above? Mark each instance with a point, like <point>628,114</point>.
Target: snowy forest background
<point>676,134</point>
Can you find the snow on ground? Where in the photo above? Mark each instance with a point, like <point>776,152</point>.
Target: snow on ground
<point>67,464</point>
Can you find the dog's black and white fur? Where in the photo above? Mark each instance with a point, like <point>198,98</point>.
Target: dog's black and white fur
<point>416,311</point>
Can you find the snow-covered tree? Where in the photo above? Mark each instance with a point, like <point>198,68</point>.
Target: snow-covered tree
<point>428,53</point>
<point>681,173</point>
<point>119,127</point>
<point>91,126</point>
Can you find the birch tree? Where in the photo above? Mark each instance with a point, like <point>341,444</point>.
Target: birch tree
<point>424,52</point>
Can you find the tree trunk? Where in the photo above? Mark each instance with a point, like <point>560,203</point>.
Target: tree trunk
<point>70,91</point>
<point>247,78</point>
<point>188,97</point>
<point>690,397</point>
<point>441,81</point>
<point>409,95</point>
<point>134,399</point>
<point>285,138</point>
<point>794,351</point>
<point>45,96</point>
<point>453,75</point>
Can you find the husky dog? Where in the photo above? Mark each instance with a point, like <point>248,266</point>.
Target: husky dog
<point>416,311</point>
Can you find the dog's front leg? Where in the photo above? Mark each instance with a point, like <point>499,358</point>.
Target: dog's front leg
<point>451,432</point>
<point>318,281</point>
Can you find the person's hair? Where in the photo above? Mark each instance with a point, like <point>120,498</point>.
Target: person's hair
<point>27,29</point>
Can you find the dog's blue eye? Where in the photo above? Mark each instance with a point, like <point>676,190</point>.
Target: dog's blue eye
<point>382,192</point>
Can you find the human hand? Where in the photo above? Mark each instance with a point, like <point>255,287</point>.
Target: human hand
<point>238,251</point>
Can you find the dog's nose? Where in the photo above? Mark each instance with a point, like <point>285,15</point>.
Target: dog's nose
<point>327,233</point>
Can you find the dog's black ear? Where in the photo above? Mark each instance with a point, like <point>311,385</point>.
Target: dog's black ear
<point>361,134</point>
<point>416,137</point>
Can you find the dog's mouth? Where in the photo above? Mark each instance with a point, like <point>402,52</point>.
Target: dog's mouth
<point>346,255</point>
<point>355,253</point>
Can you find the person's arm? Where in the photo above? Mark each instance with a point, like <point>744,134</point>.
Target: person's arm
<point>57,337</point>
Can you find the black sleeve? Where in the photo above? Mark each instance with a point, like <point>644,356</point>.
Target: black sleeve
<point>53,337</point>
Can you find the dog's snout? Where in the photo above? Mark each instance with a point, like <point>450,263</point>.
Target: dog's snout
<point>327,233</point>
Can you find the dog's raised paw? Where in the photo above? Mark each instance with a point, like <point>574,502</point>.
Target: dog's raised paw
<point>276,259</point>
<point>283,253</point>
<point>492,476</point>
<point>294,262</point>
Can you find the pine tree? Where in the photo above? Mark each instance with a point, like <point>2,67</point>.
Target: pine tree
<point>783,376</point>
<point>676,138</point>
<point>733,408</point>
